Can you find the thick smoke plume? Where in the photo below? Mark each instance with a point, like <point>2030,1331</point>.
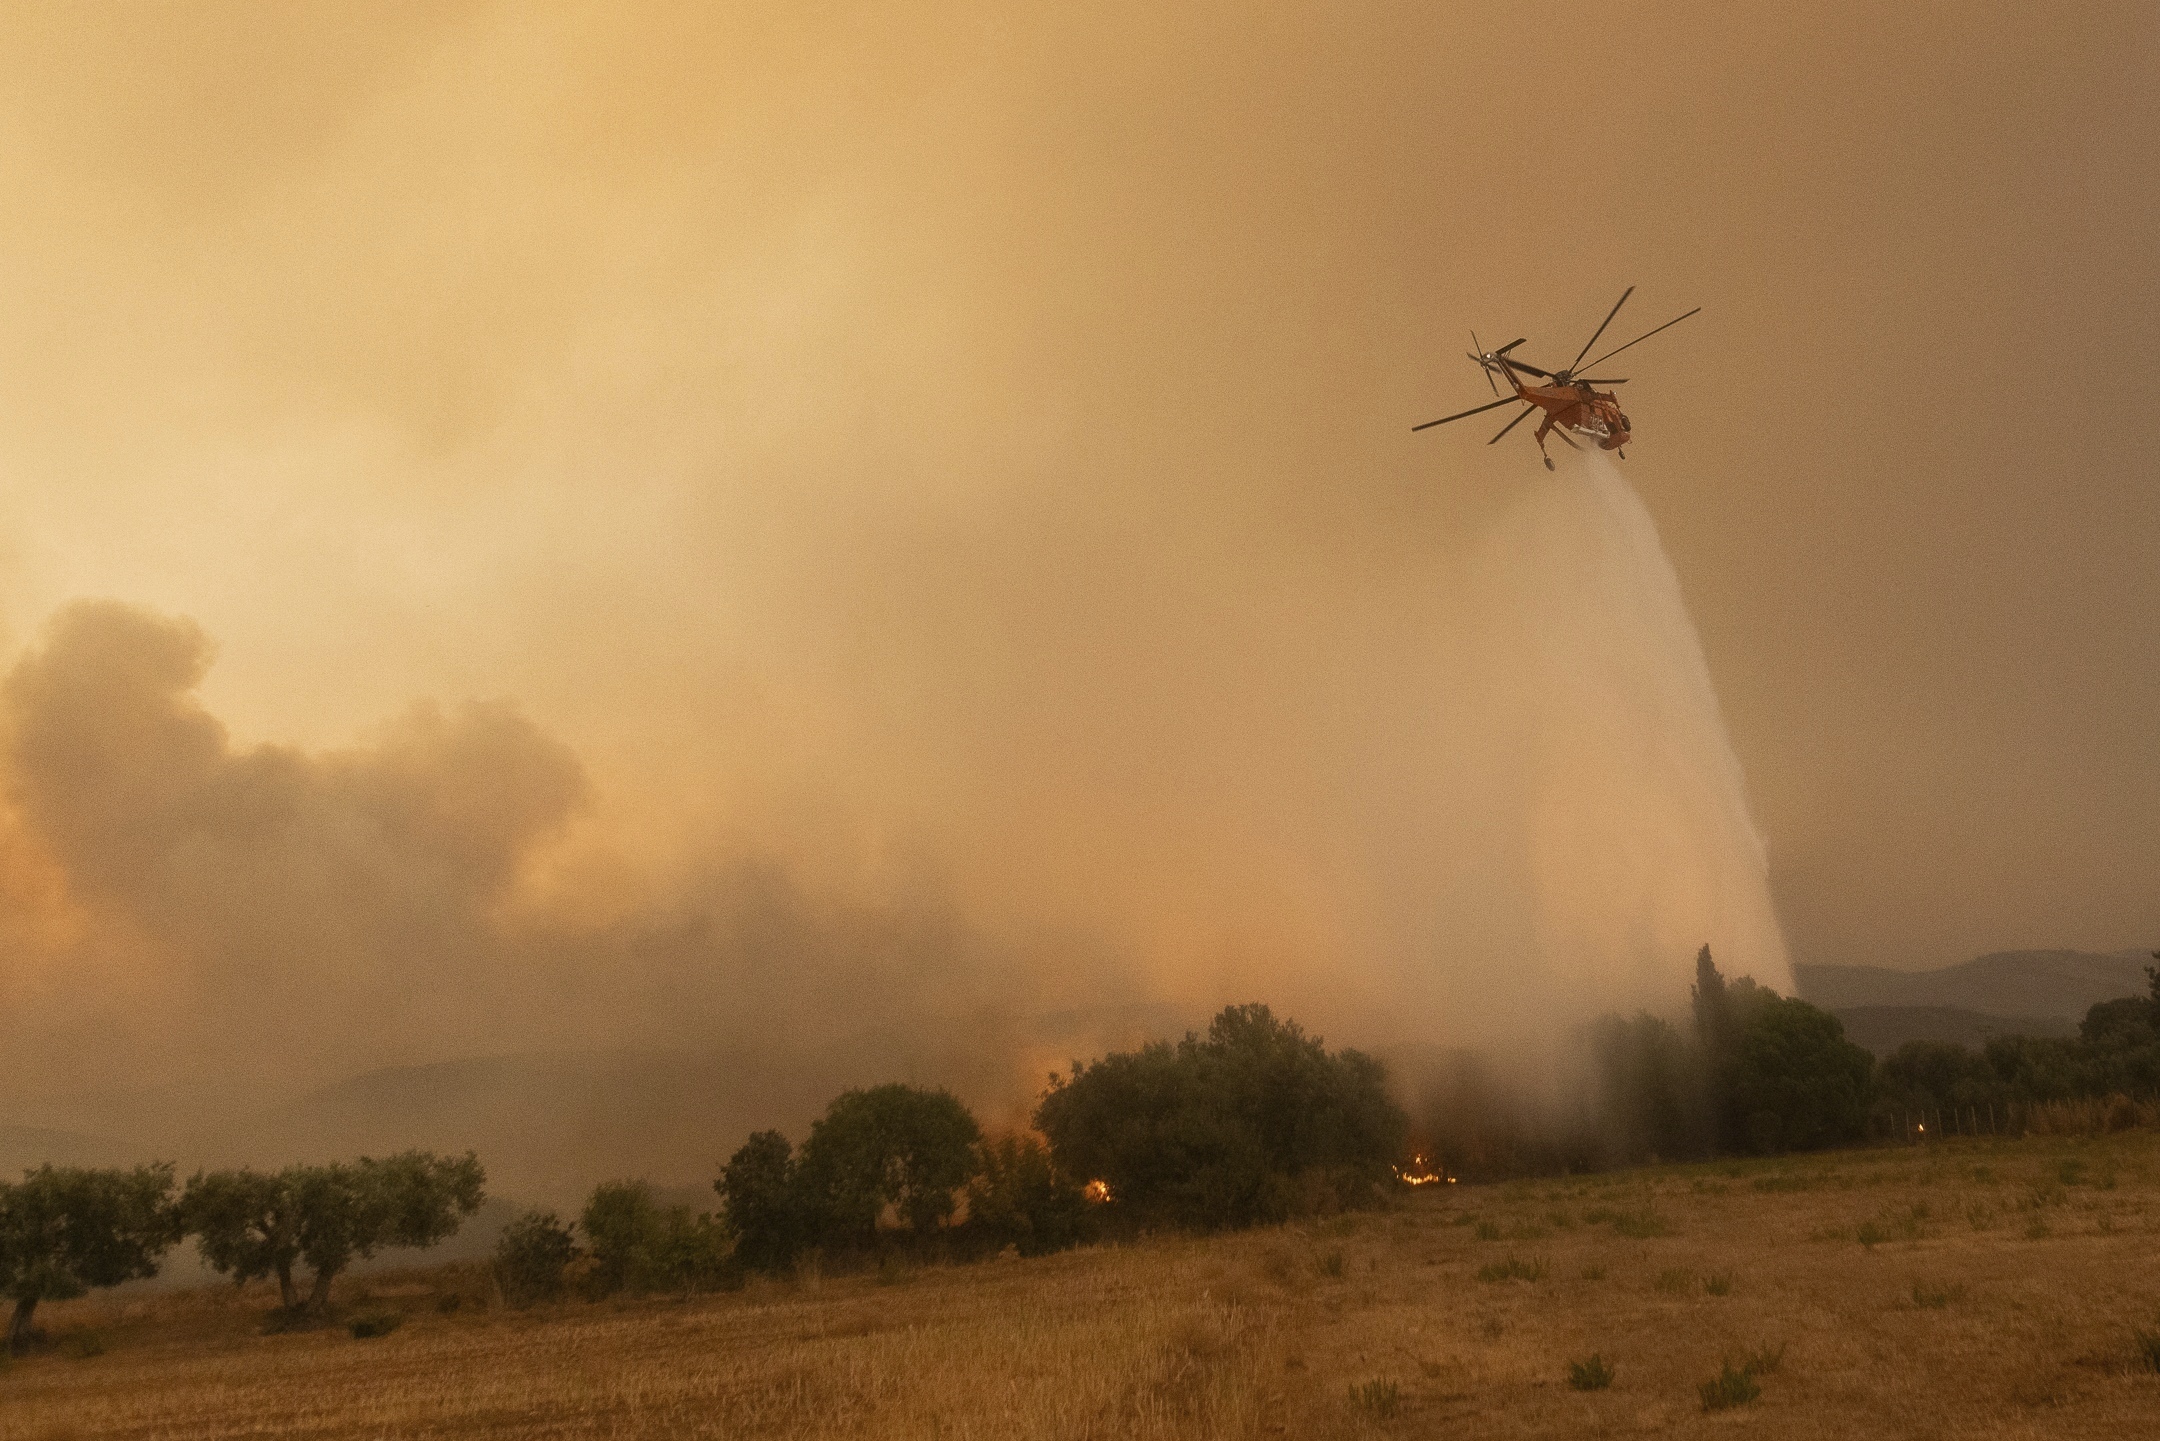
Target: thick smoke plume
<point>1484,862</point>
<point>935,523</point>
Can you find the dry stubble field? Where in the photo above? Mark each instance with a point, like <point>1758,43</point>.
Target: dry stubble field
<point>1967,1289</point>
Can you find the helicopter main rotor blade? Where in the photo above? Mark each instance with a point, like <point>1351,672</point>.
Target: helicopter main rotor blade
<point>1480,349</point>
<point>1526,365</point>
<point>1577,361</point>
<point>1511,345</point>
<point>1443,420</point>
<point>1518,420</point>
<point>1646,335</point>
<point>1592,380</point>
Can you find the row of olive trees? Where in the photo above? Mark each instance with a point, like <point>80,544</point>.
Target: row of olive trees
<point>65,1230</point>
<point>1756,1073</point>
<point>1255,1121</point>
<point>883,1167</point>
<point>632,1243</point>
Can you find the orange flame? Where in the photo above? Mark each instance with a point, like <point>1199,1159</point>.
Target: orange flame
<point>1420,1172</point>
<point>1097,1191</point>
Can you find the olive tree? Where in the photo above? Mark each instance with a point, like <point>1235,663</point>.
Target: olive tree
<point>66,1229</point>
<point>894,1145</point>
<point>639,1245</point>
<point>760,1202</point>
<point>530,1257</point>
<point>249,1224</point>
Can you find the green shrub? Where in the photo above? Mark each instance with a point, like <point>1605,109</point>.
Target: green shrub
<point>1018,1199</point>
<point>530,1257</point>
<point>1590,1375</point>
<point>1254,1122</point>
<point>367,1326</point>
<point>760,1202</point>
<point>639,1246</point>
<point>892,1146</point>
<point>1730,1387</point>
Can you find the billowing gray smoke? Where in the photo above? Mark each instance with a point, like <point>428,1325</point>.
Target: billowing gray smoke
<point>206,927</point>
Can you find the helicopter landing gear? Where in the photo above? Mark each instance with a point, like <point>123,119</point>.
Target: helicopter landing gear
<point>1621,453</point>
<point>1548,463</point>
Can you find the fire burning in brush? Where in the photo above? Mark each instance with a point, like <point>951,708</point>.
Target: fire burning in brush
<point>1420,1172</point>
<point>1096,1191</point>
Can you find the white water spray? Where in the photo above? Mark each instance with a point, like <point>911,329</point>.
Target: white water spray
<point>1639,842</point>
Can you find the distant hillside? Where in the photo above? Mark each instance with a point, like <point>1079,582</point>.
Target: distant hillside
<point>24,1148</point>
<point>1882,1029</point>
<point>2008,984</point>
<point>548,1125</point>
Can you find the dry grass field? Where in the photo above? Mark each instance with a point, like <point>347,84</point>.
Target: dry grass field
<point>1965,1289</point>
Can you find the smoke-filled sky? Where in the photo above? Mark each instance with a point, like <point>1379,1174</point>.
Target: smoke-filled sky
<point>551,526</point>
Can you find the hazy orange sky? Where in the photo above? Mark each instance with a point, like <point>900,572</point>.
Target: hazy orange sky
<point>959,455</point>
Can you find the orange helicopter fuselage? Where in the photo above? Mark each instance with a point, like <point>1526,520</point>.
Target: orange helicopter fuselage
<point>1595,414</point>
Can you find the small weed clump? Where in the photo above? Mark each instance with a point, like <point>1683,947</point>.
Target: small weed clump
<point>1674,1282</point>
<point>1593,1273</point>
<point>368,1326</point>
<point>82,1345</point>
<point>1935,1298</point>
<point>1730,1387</point>
<point>1512,1269</point>
<point>1331,1265</point>
<point>1377,1398</point>
<point>2043,1195</point>
<point>2037,1230</point>
<point>1639,1225</point>
<point>1763,1360</point>
<point>1488,1231</point>
<point>2148,1347</point>
<point>1784,1182</point>
<point>1718,1283</point>
<point>1592,1374</point>
<point>1870,1235</point>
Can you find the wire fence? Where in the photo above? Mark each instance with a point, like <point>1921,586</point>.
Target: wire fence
<point>1919,1125</point>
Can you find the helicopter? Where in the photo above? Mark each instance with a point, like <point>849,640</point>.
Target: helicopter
<point>1571,401</point>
